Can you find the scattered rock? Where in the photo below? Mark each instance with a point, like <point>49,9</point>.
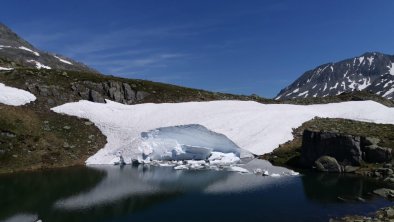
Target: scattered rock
<point>7,134</point>
<point>67,127</point>
<point>384,192</point>
<point>66,145</point>
<point>350,169</point>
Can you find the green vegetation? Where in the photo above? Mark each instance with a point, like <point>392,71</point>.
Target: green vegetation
<point>30,139</point>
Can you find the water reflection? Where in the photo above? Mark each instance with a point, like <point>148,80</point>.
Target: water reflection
<point>110,193</point>
<point>329,187</point>
<point>150,180</point>
<point>33,193</point>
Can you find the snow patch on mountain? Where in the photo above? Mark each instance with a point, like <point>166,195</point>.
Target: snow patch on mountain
<point>63,60</point>
<point>29,50</point>
<point>388,92</point>
<point>392,69</point>
<point>254,127</point>
<point>15,97</point>
<point>38,64</point>
<point>5,69</point>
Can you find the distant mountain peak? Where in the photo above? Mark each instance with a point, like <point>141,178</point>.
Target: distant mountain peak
<point>15,51</point>
<point>371,71</point>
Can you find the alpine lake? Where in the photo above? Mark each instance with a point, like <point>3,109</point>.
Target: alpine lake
<point>159,193</point>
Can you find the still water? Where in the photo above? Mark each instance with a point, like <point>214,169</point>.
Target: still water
<point>111,193</point>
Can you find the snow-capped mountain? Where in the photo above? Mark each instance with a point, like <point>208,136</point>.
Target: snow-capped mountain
<point>372,71</point>
<point>15,51</point>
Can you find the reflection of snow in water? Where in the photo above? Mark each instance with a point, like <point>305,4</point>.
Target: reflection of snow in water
<point>149,180</point>
<point>23,217</point>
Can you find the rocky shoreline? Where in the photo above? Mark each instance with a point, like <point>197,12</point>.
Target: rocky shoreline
<point>343,146</point>
<point>382,215</point>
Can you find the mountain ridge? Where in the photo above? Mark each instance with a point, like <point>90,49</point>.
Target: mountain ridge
<point>15,51</point>
<point>371,71</point>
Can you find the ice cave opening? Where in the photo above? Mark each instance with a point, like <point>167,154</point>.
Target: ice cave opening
<point>190,146</point>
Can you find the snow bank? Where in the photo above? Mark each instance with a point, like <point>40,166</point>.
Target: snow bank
<point>15,97</point>
<point>257,128</point>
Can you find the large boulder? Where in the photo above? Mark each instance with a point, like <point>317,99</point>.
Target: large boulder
<point>328,164</point>
<point>377,154</point>
<point>346,149</point>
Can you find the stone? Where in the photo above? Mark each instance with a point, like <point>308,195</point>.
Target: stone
<point>389,212</point>
<point>377,154</point>
<point>51,102</point>
<point>389,180</point>
<point>87,123</point>
<point>67,127</point>
<point>7,134</point>
<point>141,95</point>
<point>66,145</point>
<point>370,141</point>
<point>350,169</point>
<point>328,164</point>
<point>344,148</point>
<point>384,192</point>
<point>129,93</point>
<point>118,97</point>
<point>96,97</point>
<point>42,90</point>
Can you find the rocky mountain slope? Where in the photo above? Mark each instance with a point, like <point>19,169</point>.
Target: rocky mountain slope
<point>372,71</point>
<point>15,52</point>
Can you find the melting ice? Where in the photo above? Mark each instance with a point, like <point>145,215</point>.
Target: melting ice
<point>190,146</point>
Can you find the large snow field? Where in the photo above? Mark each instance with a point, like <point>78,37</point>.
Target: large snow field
<point>251,126</point>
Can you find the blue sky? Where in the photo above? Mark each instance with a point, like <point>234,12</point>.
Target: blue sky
<point>239,47</point>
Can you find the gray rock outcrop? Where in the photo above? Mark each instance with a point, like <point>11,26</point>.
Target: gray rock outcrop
<point>347,150</point>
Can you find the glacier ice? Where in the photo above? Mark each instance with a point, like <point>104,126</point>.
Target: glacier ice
<point>190,146</point>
